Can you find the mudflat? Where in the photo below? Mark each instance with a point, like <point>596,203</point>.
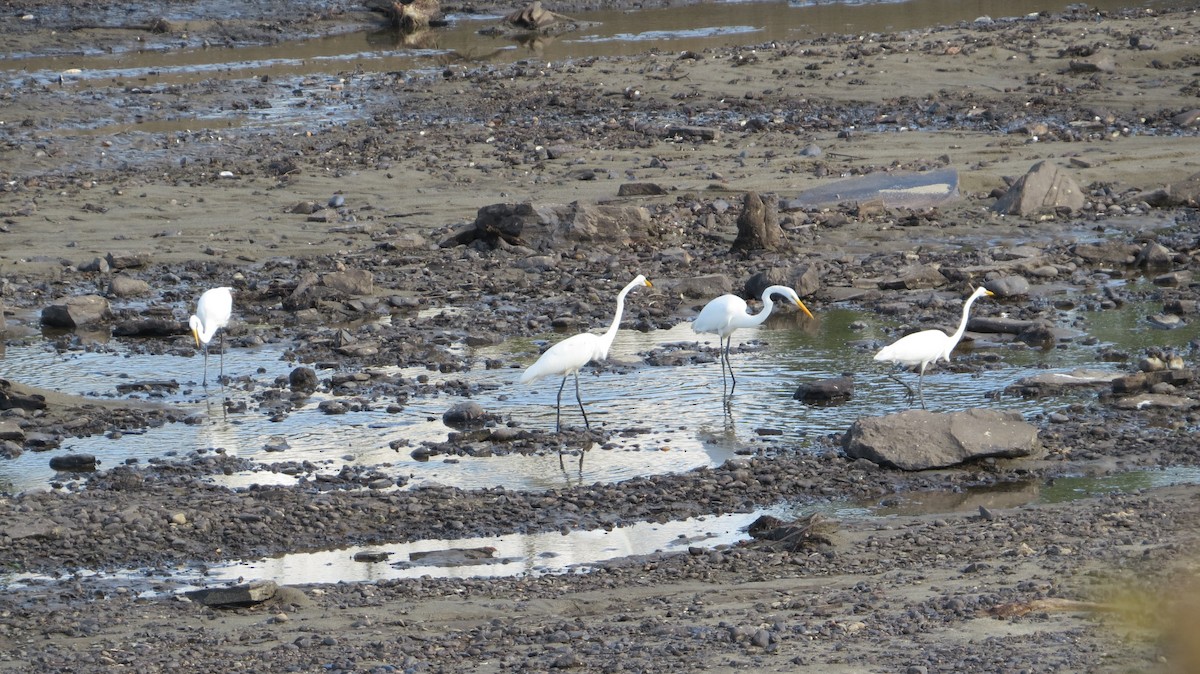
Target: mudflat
<point>379,213</point>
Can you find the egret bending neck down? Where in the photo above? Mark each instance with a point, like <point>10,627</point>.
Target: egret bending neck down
<point>928,346</point>
<point>725,314</point>
<point>568,356</point>
<point>212,314</point>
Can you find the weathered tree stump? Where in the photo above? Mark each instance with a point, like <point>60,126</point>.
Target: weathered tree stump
<point>758,226</point>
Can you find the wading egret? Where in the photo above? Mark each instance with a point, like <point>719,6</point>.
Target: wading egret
<point>212,314</point>
<point>566,357</point>
<point>928,346</point>
<point>725,314</point>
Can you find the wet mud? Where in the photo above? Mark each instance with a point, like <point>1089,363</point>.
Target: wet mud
<point>339,238</point>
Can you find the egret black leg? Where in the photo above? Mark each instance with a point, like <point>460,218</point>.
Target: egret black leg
<point>729,364</point>
<point>204,379</point>
<point>920,392</point>
<point>912,395</point>
<point>558,407</point>
<point>222,380</point>
<point>580,401</point>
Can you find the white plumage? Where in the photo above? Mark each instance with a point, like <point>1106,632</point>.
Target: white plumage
<point>725,314</point>
<point>928,346</point>
<point>213,311</point>
<point>568,356</point>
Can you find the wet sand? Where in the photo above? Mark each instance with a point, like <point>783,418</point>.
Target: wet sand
<point>1100,584</point>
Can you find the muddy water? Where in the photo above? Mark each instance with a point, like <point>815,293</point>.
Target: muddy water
<point>665,418</point>
<point>311,69</point>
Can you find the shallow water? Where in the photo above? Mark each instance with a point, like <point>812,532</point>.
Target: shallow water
<point>669,418</point>
<point>312,69</point>
<point>581,551</point>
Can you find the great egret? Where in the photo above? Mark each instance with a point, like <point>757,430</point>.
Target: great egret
<point>928,346</point>
<point>566,357</point>
<point>725,314</point>
<point>212,314</point>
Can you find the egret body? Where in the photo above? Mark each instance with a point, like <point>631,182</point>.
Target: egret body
<point>725,314</point>
<point>212,314</point>
<point>568,356</point>
<point>928,346</point>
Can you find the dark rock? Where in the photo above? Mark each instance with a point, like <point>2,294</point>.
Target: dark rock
<point>97,264</point>
<point>694,132</point>
<point>454,556</point>
<point>464,414</point>
<point>813,531</point>
<point>303,379</point>
<point>1008,286</point>
<point>640,190</point>
<point>804,279</point>
<point>11,430</point>
<point>550,225</point>
<point>1056,382</point>
<point>1107,251</point>
<point>150,327</point>
<point>13,397</point>
<point>371,556</point>
<point>835,389</point>
<point>698,287</point>
<point>73,462</point>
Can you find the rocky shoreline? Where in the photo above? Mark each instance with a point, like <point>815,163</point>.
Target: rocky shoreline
<point>1081,585</point>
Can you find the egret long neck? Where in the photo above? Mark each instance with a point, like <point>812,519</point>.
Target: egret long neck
<point>611,333</point>
<point>753,320</point>
<point>962,325</point>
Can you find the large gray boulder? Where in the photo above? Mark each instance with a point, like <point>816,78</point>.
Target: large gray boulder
<point>1045,188</point>
<point>920,440</point>
<point>76,312</point>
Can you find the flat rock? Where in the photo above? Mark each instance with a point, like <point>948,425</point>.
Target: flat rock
<point>917,277</point>
<point>921,440</point>
<point>1052,382</point>
<point>456,557</point>
<point>11,430</point>
<point>1143,401</point>
<point>246,594</point>
<point>128,259</point>
<point>893,189</point>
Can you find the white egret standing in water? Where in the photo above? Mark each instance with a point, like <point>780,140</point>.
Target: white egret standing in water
<point>928,346</point>
<point>212,314</point>
<point>566,357</point>
<point>725,314</point>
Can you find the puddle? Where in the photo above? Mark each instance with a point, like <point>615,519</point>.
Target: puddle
<point>583,551</point>
<point>517,554</point>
